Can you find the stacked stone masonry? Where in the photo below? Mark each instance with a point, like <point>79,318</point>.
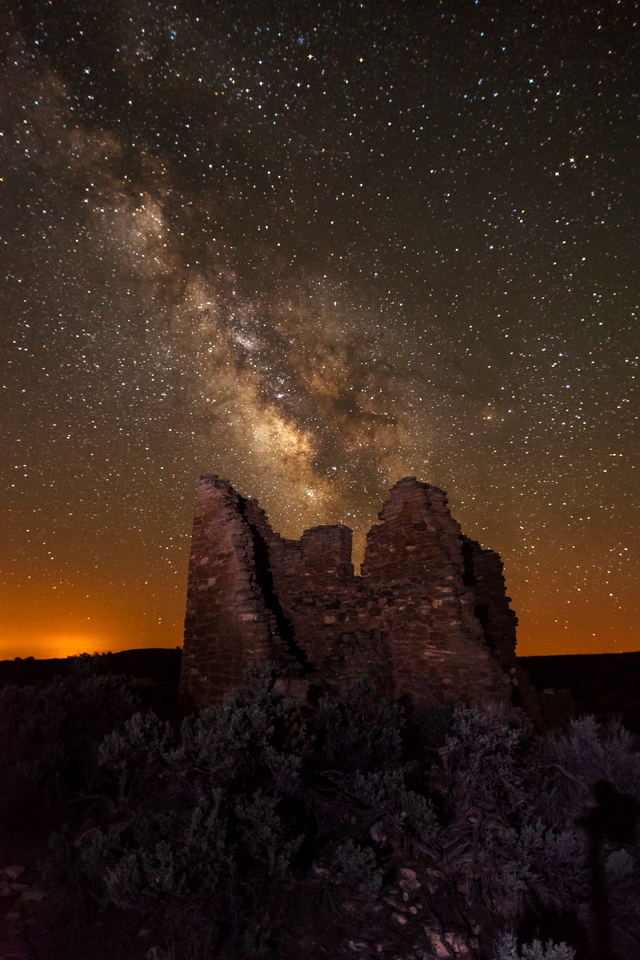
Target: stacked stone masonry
<point>427,619</point>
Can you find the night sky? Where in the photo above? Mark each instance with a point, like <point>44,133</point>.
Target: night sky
<point>314,248</point>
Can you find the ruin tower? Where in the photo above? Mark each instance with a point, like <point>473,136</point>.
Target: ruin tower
<point>428,619</point>
<point>228,624</point>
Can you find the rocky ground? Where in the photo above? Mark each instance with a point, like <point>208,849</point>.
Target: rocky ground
<point>391,927</point>
<point>17,899</point>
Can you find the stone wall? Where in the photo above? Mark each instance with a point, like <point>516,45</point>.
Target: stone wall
<point>427,619</point>
<point>228,624</point>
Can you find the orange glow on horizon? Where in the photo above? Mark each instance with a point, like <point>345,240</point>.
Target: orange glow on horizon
<point>46,630</point>
<point>38,626</point>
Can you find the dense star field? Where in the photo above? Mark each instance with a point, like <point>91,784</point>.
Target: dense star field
<point>314,248</point>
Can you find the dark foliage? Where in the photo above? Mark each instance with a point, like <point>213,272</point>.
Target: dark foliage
<point>49,740</point>
<point>259,829</point>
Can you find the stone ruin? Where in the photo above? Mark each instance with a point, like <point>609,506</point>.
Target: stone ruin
<point>427,620</point>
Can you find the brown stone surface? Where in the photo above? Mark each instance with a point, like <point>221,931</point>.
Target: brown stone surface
<point>228,624</point>
<point>427,619</point>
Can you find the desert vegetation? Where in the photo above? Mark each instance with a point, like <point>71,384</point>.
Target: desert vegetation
<point>344,827</point>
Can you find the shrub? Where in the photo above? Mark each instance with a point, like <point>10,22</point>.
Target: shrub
<point>508,950</point>
<point>49,741</point>
<point>255,817</point>
<point>196,842</point>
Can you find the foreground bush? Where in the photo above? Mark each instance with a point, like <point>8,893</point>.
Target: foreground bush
<point>49,742</point>
<point>258,829</point>
<point>508,950</point>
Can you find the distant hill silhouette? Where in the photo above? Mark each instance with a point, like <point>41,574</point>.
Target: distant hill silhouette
<point>604,684</point>
<point>155,672</point>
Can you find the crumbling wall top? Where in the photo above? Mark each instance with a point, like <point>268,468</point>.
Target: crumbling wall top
<point>428,618</point>
<point>418,538</point>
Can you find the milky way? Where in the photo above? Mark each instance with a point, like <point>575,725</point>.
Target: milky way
<point>315,248</point>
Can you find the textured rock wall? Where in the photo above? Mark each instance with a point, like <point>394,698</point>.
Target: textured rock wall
<point>428,618</point>
<point>228,624</point>
<point>414,563</point>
